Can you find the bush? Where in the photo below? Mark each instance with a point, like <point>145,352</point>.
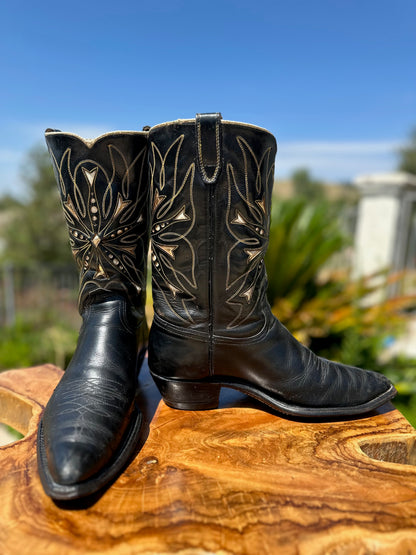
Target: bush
<point>29,343</point>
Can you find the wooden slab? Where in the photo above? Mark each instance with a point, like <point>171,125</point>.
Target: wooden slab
<point>238,479</point>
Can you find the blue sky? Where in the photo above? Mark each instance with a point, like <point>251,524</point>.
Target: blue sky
<point>334,80</point>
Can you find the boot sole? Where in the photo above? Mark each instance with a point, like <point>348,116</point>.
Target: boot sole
<point>203,395</point>
<point>97,482</point>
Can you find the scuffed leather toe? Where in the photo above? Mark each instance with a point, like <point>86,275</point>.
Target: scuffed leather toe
<point>72,462</point>
<point>337,385</point>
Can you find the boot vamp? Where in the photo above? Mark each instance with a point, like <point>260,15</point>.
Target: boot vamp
<point>275,362</point>
<point>88,413</point>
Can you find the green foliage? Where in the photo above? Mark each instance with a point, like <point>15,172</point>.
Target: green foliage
<point>304,236</point>
<point>8,202</point>
<point>402,372</point>
<point>14,433</point>
<point>36,231</point>
<point>323,307</point>
<point>408,155</point>
<point>306,187</point>
<point>36,247</point>
<point>27,343</point>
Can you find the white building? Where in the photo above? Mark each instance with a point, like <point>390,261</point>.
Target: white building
<point>386,225</point>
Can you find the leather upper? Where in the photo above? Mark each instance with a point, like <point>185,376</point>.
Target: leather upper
<point>211,187</point>
<point>89,410</point>
<point>90,422</point>
<point>104,193</point>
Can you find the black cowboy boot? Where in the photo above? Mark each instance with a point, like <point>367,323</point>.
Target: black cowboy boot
<point>212,183</point>
<point>91,424</point>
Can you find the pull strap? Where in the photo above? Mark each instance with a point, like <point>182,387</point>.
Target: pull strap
<point>209,145</point>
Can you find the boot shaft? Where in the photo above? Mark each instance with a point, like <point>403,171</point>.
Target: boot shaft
<point>211,185</point>
<point>103,184</point>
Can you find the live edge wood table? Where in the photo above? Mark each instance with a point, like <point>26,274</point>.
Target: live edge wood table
<point>239,479</point>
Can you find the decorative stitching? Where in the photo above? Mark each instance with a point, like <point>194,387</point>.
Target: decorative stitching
<point>166,241</point>
<point>104,230</point>
<point>248,223</point>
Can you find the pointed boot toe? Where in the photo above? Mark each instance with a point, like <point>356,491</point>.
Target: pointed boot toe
<point>379,387</point>
<point>72,462</point>
<point>71,469</point>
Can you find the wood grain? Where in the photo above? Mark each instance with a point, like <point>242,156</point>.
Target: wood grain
<point>238,480</point>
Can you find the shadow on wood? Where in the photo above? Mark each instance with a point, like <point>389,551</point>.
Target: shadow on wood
<point>239,479</point>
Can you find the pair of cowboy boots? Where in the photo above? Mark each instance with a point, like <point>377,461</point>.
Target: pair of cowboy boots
<point>202,188</point>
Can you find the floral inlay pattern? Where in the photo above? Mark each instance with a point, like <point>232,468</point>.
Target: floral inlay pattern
<point>173,217</point>
<point>103,206</point>
<point>248,223</point>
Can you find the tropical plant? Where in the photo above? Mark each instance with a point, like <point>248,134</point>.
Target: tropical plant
<point>304,236</point>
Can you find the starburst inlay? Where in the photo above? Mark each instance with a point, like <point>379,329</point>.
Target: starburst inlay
<point>239,219</point>
<point>252,253</point>
<point>90,175</point>
<point>262,204</point>
<point>248,294</point>
<point>96,241</point>
<point>181,215</point>
<point>157,199</point>
<point>169,249</point>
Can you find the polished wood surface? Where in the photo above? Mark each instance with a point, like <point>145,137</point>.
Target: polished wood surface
<point>237,480</point>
